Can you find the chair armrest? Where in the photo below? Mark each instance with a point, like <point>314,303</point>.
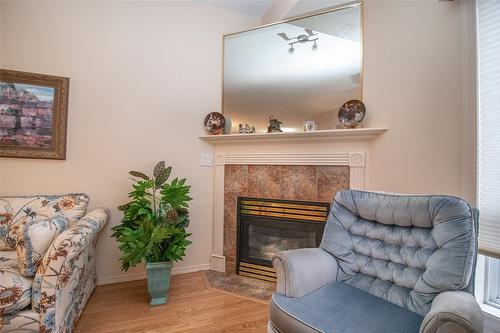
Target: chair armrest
<point>303,271</point>
<point>453,312</point>
<point>66,276</point>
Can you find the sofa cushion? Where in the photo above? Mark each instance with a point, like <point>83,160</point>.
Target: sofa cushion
<point>404,249</point>
<point>26,321</point>
<point>15,291</point>
<point>15,212</point>
<point>340,307</point>
<point>8,259</point>
<point>35,240</point>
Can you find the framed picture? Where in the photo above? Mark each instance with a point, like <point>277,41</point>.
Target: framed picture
<point>33,115</point>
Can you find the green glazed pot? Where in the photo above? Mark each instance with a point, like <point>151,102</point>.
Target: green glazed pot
<point>158,281</point>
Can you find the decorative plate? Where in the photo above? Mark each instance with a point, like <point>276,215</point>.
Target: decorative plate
<point>351,113</point>
<point>214,123</point>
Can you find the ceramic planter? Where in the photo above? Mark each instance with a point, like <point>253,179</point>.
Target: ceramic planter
<point>158,281</point>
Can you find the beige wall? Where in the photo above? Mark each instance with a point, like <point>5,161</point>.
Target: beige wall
<point>142,77</point>
<point>413,85</point>
<point>144,74</point>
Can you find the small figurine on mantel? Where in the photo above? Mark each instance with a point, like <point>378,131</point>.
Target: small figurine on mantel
<point>246,129</point>
<point>274,125</point>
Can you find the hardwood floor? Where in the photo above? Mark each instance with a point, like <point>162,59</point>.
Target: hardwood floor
<point>192,307</point>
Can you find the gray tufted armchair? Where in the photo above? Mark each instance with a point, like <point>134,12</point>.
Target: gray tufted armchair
<point>387,263</point>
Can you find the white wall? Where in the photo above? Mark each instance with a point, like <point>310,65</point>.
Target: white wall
<point>142,77</point>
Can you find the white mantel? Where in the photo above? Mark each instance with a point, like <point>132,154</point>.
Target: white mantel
<point>344,135</point>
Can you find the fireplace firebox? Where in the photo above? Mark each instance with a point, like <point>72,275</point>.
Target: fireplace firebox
<point>267,226</point>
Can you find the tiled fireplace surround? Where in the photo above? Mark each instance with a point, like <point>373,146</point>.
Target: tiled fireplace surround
<point>296,182</point>
<point>310,177</point>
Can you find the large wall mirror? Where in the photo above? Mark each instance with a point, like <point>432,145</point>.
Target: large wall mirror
<point>298,70</point>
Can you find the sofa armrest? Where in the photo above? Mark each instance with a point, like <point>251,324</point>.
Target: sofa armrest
<point>453,312</point>
<point>66,276</point>
<point>303,271</point>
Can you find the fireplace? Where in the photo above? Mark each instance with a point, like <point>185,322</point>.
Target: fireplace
<point>267,226</point>
<point>307,177</point>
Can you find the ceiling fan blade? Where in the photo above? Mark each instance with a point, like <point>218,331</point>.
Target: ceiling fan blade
<point>309,32</point>
<point>284,36</point>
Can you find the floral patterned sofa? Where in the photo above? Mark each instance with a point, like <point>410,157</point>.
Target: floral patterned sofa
<point>47,261</point>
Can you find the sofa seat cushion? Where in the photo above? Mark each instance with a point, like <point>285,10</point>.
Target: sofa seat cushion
<point>340,307</point>
<point>15,291</point>
<point>8,259</point>
<point>26,321</point>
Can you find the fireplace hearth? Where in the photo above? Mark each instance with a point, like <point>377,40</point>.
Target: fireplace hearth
<point>267,226</point>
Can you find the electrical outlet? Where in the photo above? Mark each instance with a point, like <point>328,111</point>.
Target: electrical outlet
<point>206,160</point>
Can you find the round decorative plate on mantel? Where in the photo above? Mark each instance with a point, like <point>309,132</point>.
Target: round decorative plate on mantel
<point>214,123</point>
<point>351,113</point>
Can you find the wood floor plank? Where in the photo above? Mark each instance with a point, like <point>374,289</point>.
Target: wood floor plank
<point>192,307</point>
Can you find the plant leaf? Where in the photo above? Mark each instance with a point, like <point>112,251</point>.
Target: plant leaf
<point>175,194</point>
<point>124,207</point>
<point>139,174</point>
<point>162,177</point>
<point>159,167</point>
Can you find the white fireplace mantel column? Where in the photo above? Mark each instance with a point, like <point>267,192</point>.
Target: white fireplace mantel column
<point>355,160</point>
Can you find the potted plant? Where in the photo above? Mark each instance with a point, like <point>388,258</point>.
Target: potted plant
<point>153,228</point>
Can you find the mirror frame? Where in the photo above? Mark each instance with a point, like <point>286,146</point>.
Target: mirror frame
<point>298,17</point>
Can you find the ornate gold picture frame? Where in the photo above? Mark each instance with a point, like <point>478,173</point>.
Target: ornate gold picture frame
<point>33,115</point>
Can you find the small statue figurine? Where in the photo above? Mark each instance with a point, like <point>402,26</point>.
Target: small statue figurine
<point>246,129</point>
<point>274,125</point>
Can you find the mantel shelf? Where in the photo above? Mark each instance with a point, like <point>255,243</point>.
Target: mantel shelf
<point>356,134</point>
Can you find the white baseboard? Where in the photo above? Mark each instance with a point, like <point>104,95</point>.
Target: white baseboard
<point>218,263</point>
<point>125,277</point>
<point>142,275</point>
<point>190,269</point>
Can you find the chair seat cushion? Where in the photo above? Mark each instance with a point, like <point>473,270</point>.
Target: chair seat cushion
<point>15,291</point>
<point>340,307</point>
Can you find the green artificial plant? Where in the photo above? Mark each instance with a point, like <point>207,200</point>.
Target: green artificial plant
<point>153,227</point>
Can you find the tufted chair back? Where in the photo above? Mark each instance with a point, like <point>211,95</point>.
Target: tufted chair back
<point>405,249</point>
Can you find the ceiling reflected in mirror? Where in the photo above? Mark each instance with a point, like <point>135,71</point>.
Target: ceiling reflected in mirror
<point>296,71</point>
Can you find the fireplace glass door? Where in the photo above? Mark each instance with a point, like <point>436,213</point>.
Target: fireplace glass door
<point>266,227</point>
<point>264,237</point>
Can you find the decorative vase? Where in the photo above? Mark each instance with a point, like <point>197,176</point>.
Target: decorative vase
<point>158,281</point>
